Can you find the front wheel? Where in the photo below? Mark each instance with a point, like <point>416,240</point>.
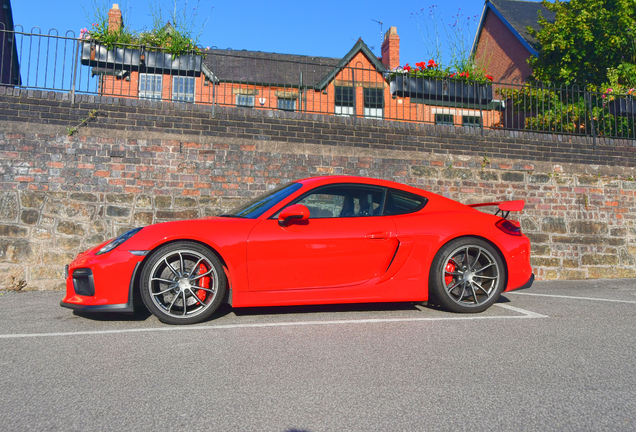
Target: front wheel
<point>467,276</point>
<point>182,283</point>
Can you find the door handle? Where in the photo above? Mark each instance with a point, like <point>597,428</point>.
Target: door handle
<point>378,236</point>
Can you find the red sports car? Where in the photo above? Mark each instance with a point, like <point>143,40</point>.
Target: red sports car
<point>320,240</point>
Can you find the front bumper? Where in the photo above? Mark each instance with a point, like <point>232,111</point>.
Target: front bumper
<point>109,282</point>
<point>128,307</point>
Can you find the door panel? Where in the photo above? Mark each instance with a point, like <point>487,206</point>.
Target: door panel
<point>319,253</point>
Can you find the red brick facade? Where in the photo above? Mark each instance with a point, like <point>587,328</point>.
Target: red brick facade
<point>501,53</point>
<point>362,72</point>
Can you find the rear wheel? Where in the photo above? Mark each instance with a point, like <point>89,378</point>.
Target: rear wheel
<point>467,275</point>
<point>182,283</point>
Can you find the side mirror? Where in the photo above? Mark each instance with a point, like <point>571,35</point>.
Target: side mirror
<point>293,213</point>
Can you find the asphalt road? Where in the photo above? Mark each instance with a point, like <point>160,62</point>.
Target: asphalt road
<point>559,356</point>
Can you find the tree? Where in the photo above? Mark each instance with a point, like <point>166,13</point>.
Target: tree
<point>586,38</point>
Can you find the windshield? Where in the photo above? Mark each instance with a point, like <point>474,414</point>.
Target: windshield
<point>261,204</point>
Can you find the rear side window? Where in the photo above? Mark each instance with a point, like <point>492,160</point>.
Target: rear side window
<point>399,202</point>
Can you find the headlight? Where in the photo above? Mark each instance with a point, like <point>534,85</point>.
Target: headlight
<point>119,240</point>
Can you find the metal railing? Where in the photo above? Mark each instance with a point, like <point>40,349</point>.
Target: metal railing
<point>359,88</point>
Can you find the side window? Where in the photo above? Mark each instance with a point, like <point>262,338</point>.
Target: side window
<point>343,201</point>
<point>399,202</point>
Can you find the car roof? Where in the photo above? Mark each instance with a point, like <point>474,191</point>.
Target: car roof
<point>448,203</point>
<point>326,180</point>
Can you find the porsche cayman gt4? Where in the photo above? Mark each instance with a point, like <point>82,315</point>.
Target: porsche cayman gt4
<point>321,240</point>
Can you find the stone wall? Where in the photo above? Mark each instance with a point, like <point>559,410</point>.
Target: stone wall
<point>141,163</point>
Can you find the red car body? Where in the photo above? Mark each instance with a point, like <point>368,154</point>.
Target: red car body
<point>383,258</point>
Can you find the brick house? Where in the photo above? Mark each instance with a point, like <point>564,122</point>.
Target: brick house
<point>502,43</point>
<point>352,85</point>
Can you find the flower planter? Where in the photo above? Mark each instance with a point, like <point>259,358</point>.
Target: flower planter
<point>442,89</point>
<point>623,107</point>
<point>183,63</point>
<point>97,55</point>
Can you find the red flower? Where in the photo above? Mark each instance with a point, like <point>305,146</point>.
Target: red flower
<point>407,67</point>
<point>489,77</point>
<point>453,75</point>
<point>420,65</point>
<point>431,64</point>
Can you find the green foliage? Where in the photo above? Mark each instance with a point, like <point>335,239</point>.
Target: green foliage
<point>458,36</point>
<point>567,110</point>
<point>433,70</point>
<point>178,35</point>
<point>92,115</point>
<point>587,38</point>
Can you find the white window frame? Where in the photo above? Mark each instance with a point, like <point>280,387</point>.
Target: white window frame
<point>251,99</point>
<point>374,112</point>
<point>345,110</point>
<point>181,86</point>
<point>156,83</point>
<point>287,100</point>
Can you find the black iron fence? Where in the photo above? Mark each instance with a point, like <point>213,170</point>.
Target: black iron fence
<point>358,86</point>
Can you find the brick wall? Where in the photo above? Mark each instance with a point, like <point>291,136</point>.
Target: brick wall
<point>500,52</point>
<point>140,163</point>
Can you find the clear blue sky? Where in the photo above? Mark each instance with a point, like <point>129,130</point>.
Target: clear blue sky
<point>324,28</point>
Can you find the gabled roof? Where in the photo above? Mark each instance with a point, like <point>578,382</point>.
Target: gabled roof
<point>360,46</point>
<point>283,70</point>
<point>517,16</point>
<point>256,67</point>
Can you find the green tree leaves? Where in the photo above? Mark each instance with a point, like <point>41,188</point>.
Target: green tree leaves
<point>587,38</point>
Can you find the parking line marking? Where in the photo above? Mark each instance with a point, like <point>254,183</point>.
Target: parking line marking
<point>525,315</point>
<point>573,297</point>
<point>528,313</point>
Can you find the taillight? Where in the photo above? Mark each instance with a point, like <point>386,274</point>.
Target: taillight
<point>509,227</point>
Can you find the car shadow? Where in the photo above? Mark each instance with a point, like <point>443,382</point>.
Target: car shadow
<point>315,309</point>
<point>142,314</point>
<point>139,315</point>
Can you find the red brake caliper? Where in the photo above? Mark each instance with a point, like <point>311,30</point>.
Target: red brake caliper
<point>450,267</point>
<point>204,282</point>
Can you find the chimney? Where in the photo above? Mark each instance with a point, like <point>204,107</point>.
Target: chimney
<point>114,18</point>
<point>391,49</point>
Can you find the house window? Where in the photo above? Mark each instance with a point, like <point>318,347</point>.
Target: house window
<point>287,104</point>
<point>444,119</point>
<point>344,102</point>
<point>373,102</point>
<point>471,121</point>
<point>150,86</point>
<point>245,100</point>
<point>183,89</point>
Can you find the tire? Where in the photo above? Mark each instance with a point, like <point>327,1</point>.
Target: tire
<point>182,283</point>
<point>467,276</point>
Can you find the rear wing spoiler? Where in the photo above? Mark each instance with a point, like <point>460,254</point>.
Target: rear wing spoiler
<point>505,207</point>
